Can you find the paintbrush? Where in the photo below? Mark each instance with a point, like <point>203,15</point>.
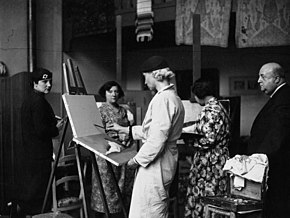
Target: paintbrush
<point>97,125</point>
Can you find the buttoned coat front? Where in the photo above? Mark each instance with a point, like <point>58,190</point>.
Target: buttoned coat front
<point>158,156</point>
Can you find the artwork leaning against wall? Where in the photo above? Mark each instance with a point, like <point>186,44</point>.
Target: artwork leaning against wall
<point>245,85</point>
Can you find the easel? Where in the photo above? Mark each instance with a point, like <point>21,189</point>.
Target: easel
<point>73,76</point>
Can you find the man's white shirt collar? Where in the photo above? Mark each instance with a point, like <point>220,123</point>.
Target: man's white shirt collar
<point>277,89</point>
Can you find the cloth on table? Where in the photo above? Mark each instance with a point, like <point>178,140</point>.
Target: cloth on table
<point>244,167</point>
<point>114,147</point>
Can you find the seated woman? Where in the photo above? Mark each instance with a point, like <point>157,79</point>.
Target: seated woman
<point>206,177</point>
<point>112,112</point>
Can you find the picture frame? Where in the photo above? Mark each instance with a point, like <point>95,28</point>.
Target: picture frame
<point>244,85</point>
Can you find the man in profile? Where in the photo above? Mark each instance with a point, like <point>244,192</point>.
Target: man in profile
<point>270,134</point>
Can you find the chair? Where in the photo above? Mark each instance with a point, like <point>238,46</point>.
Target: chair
<point>212,211</point>
<point>233,206</point>
<point>66,188</point>
<point>52,215</point>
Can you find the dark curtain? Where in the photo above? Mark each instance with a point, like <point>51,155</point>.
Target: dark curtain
<point>12,92</point>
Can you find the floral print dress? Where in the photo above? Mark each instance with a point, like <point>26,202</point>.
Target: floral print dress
<point>206,177</point>
<point>123,175</point>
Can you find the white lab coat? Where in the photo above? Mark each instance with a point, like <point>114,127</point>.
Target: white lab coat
<point>158,156</point>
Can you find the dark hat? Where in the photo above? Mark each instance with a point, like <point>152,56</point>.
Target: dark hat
<point>154,63</point>
<point>41,74</point>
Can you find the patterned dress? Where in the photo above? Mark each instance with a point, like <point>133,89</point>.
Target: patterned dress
<point>206,177</point>
<point>124,176</point>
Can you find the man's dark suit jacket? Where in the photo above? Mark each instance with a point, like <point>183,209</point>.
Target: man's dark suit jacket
<point>270,134</point>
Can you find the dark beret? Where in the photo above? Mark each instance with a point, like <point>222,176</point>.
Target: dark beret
<point>41,74</point>
<point>154,63</point>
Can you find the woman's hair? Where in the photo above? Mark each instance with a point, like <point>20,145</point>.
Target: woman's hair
<point>202,88</point>
<point>107,86</point>
<point>163,74</point>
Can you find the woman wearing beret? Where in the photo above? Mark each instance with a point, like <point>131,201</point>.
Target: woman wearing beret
<point>39,126</point>
<point>156,161</point>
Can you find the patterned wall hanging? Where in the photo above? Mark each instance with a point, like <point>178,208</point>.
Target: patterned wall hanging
<point>144,21</point>
<point>263,23</point>
<point>214,21</point>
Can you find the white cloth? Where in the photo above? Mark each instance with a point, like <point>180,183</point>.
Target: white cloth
<point>189,129</point>
<point>114,147</point>
<point>158,156</point>
<point>247,167</point>
<point>239,182</point>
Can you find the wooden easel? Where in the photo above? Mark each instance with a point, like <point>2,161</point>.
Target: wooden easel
<point>75,86</point>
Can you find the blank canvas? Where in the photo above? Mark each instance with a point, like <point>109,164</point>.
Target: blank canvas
<point>83,113</point>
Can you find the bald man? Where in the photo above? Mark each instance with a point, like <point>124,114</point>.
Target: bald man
<point>270,134</point>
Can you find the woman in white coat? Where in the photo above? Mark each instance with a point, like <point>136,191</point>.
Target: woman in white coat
<point>157,158</point>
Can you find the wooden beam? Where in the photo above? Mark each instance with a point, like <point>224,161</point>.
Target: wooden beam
<point>119,49</point>
<point>31,32</point>
<point>196,52</point>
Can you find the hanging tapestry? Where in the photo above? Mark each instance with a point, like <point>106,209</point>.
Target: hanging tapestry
<point>89,17</point>
<point>263,23</point>
<point>214,21</point>
<point>144,21</point>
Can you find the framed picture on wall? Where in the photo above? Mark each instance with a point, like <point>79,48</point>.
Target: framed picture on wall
<point>244,85</point>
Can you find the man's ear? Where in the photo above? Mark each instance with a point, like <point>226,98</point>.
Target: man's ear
<point>277,79</point>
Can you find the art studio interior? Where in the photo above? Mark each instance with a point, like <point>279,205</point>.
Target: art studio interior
<point>223,41</point>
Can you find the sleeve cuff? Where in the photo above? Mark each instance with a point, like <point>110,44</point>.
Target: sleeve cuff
<point>135,161</point>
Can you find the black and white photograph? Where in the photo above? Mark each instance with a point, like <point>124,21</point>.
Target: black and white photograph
<point>144,108</point>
